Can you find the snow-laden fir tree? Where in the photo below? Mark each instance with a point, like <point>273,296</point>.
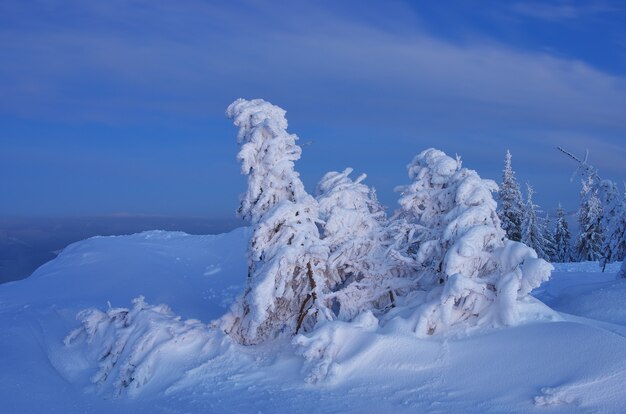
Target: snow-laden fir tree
<point>511,208</point>
<point>590,237</point>
<point>595,196</point>
<point>550,247</point>
<point>354,229</point>
<point>286,258</point>
<point>467,271</point>
<point>613,223</point>
<point>533,230</point>
<point>424,204</point>
<point>562,238</point>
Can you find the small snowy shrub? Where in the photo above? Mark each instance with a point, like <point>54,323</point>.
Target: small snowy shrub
<point>133,346</point>
<point>321,348</point>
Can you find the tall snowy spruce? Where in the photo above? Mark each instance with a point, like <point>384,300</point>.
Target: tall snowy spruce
<point>354,229</point>
<point>562,238</point>
<point>598,216</point>
<point>548,235</point>
<point>467,271</point>
<point>590,237</point>
<point>613,223</point>
<point>533,227</point>
<point>286,258</point>
<point>511,208</point>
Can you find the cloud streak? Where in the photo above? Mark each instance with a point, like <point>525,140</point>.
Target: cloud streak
<point>561,11</point>
<point>211,54</point>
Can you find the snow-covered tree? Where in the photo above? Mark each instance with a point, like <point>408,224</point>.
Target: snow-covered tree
<point>354,229</point>
<point>596,195</point>
<point>467,269</point>
<point>286,258</point>
<point>563,248</point>
<point>590,238</point>
<point>550,247</point>
<point>613,223</point>
<point>511,208</point>
<point>533,230</point>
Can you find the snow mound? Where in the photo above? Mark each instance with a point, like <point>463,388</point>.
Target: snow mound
<point>143,346</point>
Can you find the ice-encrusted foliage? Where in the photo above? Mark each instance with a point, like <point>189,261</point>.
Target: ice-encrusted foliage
<point>354,229</point>
<point>511,208</point>
<point>134,347</point>
<point>286,258</point>
<point>533,227</point>
<point>466,267</point>
<point>590,238</point>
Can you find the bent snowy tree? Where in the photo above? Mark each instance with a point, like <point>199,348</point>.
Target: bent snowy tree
<point>286,258</point>
<point>466,268</point>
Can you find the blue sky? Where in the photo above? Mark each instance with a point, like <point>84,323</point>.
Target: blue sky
<point>117,107</point>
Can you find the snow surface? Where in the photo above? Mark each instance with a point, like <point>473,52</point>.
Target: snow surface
<point>572,359</point>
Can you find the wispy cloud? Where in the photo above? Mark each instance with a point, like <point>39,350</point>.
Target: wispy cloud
<point>157,60</point>
<point>558,11</point>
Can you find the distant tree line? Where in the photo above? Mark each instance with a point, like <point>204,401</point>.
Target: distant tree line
<point>601,219</point>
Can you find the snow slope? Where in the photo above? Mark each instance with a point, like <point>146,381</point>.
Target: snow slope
<point>570,361</point>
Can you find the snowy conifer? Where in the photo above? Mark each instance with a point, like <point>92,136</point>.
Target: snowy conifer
<point>511,206</point>
<point>533,230</point>
<point>613,223</point>
<point>467,269</point>
<point>563,248</point>
<point>590,238</point>
<point>550,247</point>
<point>286,257</point>
<point>354,223</point>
